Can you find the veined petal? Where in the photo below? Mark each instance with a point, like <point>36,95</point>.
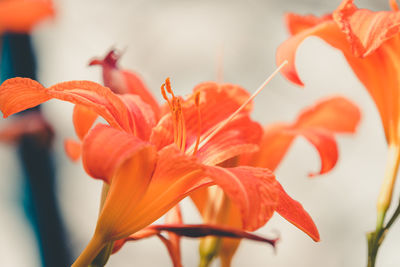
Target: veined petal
<point>105,148</point>
<point>253,190</point>
<point>366,30</point>
<point>22,15</point>
<point>294,212</point>
<point>18,94</point>
<point>73,149</point>
<point>175,176</point>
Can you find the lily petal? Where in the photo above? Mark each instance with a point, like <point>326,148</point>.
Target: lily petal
<point>301,28</point>
<point>83,119</point>
<point>175,177</point>
<point>317,124</point>
<point>18,94</point>
<point>294,212</point>
<point>73,149</point>
<point>253,190</point>
<point>105,148</point>
<point>366,30</point>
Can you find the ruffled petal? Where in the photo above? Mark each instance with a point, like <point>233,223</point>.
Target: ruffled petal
<point>366,30</point>
<point>294,212</point>
<point>18,94</point>
<point>22,15</point>
<point>253,190</point>
<point>105,148</point>
<point>73,149</point>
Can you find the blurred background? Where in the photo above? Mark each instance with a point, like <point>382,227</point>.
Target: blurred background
<point>186,40</point>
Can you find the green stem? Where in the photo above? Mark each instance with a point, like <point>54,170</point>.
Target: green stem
<point>376,238</point>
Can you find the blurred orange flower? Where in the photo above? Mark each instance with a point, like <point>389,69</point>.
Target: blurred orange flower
<point>370,42</point>
<point>22,15</point>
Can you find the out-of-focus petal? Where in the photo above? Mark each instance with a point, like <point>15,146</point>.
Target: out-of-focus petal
<point>294,212</point>
<point>32,124</point>
<point>124,81</point>
<point>317,124</point>
<point>73,149</point>
<point>22,15</point>
<point>336,114</point>
<point>83,119</point>
<point>325,143</point>
<point>366,30</point>
<point>105,148</point>
<point>273,147</point>
<point>306,26</point>
<point>253,190</point>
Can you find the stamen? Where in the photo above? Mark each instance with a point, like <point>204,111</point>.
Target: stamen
<point>168,85</point>
<point>197,103</point>
<point>231,117</point>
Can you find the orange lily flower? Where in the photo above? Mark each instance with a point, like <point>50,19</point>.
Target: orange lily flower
<point>317,124</point>
<point>175,154</point>
<point>22,15</point>
<point>369,41</point>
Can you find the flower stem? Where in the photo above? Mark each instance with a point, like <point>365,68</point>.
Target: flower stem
<point>376,238</point>
<point>95,245</point>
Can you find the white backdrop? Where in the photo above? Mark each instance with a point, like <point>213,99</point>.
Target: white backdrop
<point>182,39</point>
